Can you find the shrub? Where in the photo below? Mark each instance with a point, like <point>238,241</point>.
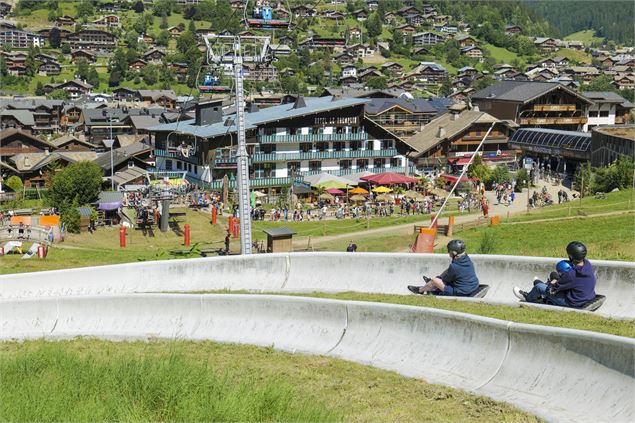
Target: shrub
<point>501,174</point>
<point>70,219</point>
<point>522,179</point>
<point>618,175</point>
<point>77,185</point>
<point>15,183</point>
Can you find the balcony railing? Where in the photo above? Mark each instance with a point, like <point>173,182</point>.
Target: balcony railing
<point>274,139</point>
<point>554,108</point>
<point>224,160</point>
<point>344,172</point>
<point>554,121</point>
<point>321,155</point>
<point>257,183</point>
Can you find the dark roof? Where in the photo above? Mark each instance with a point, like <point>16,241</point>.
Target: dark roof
<point>276,232</point>
<point>121,155</point>
<point>521,91</point>
<point>550,140</point>
<point>118,115</point>
<point>362,93</point>
<point>604,97</point>
<point>416,105</point>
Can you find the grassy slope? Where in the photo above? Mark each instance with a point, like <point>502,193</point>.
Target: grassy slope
<point>574,55</point>
<point>201,381</point>
<point>501,55</point>
<point>587,36</point>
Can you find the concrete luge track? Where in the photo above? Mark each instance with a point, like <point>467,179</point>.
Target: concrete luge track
<point>306,272</point>
<point>558,374</point>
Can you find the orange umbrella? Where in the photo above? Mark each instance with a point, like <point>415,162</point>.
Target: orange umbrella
<point>358,190</point>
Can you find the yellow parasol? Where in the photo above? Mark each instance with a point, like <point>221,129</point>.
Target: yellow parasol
<point>332,184</point>
<point>382,190</point>
<point>358,190</point>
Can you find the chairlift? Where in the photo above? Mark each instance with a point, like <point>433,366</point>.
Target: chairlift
<point>262,17</point>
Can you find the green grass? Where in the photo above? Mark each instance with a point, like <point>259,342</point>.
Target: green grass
<point>90,380</point>
<point>607,238</point>
<point>586,36</point>
<point>574,55</point>
<point>501,55</point>
<point>521,314</point>
<point>102,246</point>
<point>615,201</point>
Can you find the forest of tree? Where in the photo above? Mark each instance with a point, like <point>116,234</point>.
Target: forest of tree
<point>611,19</point>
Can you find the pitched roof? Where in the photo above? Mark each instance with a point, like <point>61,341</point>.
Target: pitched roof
<point>429,136</point>
<point>128,174</point>
<point>521,91</point>
<point>417,105</point>
<point>155,94</point>
<point>121,155</point>
<point>65,139</point>
<point>604,97</point>
<point>25,117</point>
<point>145,121</point>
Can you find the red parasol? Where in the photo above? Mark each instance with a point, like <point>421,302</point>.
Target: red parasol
<point>389,178</point>
<point>453,178</point>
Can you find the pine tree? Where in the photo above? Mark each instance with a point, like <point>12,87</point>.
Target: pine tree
<point>39,89</point>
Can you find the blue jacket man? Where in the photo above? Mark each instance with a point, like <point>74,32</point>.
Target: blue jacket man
<point>458,280</point>
<point>573,288</point>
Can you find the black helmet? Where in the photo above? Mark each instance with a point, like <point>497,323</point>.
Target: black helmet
<point>456,247</point>
<point>576,250</point>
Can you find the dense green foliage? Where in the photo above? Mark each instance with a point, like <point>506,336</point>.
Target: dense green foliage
<point>15,183</point>
<point>76,185</point>
<point>618,175</point>
<point>78,182</point>
<point>610,18</point>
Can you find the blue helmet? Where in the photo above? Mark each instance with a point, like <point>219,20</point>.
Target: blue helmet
<point>563,266</point>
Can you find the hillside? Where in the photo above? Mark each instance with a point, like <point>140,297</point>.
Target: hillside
<point>610,19</point>
<point>454,37</point>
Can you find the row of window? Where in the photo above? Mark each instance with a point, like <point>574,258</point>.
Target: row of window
<point>312,130</point>
<point>307,147</point>
<point>170,165</point>
<point>602,113</point>
<point>266,170</point>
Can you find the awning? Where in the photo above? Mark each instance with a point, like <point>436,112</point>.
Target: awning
<point>109,206</point>
<point>553,142</point>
